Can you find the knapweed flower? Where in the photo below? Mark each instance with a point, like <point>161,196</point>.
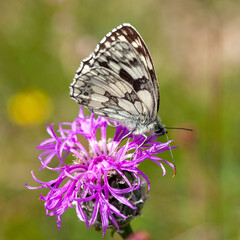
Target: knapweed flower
<point>103,183</point>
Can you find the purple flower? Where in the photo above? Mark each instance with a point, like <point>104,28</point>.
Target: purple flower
<point>104,184</point>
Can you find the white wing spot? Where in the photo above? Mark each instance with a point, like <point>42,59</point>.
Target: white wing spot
<point>146,98</point>
<point>128,106</point>
<point>115,90</point>
<point>98,97</point>
<point>85,69</point>
<point>76,92</point>
<point>97,48</point>
<point>98,90</point>
<point>135,44</point>
<point>95,104</point>
<point>107,44</point>
<point>103,40</point>
<point>118,54</point>
<point>79,84</point>
<point>124,32</point>
<point>118,47</point>
<point>138,106</point>
<point>122,38</point>
<point>149,64</point>
<point>123,87</point>
<point>103,71</point>
<point>115,67</point>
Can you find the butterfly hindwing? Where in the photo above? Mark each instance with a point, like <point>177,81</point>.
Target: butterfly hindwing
<point>106,94</point>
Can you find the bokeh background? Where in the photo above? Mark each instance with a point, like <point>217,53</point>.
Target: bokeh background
<point>195,46</point>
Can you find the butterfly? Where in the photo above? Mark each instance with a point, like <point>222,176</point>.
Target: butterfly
<point>118,81</point>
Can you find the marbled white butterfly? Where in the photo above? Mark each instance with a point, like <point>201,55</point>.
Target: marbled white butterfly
<point>118,81</point>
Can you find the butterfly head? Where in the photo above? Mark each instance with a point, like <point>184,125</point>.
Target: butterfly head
<point>160,130</point>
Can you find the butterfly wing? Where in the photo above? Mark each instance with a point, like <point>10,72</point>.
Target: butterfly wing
<point>118,80</point>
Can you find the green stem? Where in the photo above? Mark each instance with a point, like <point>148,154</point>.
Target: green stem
<point>124,232</point>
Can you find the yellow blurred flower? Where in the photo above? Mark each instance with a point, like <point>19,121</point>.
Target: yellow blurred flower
<point>29,107</point>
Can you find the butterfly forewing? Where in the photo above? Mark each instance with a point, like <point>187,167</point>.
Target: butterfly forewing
<point>118,80</point>
<point>126,33</point>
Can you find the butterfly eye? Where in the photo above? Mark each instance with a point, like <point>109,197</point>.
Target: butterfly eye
<point>160,130</point>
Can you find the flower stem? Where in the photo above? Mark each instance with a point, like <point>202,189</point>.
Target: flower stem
<point>125,231</point>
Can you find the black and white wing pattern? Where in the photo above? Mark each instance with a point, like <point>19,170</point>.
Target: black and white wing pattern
<point>118,81</point>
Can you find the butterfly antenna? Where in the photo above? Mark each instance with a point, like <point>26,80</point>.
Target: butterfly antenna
<point>172,157</point>
<point>187,129</point>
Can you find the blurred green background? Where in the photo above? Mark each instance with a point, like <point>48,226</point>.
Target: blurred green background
<point>195,46</point>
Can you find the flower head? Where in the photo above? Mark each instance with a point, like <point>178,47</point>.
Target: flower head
<point>104,184</point>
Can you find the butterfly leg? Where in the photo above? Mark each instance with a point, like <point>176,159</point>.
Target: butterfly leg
<point>145,136</point>
<point>128,134</point>
<point>109,124</point>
